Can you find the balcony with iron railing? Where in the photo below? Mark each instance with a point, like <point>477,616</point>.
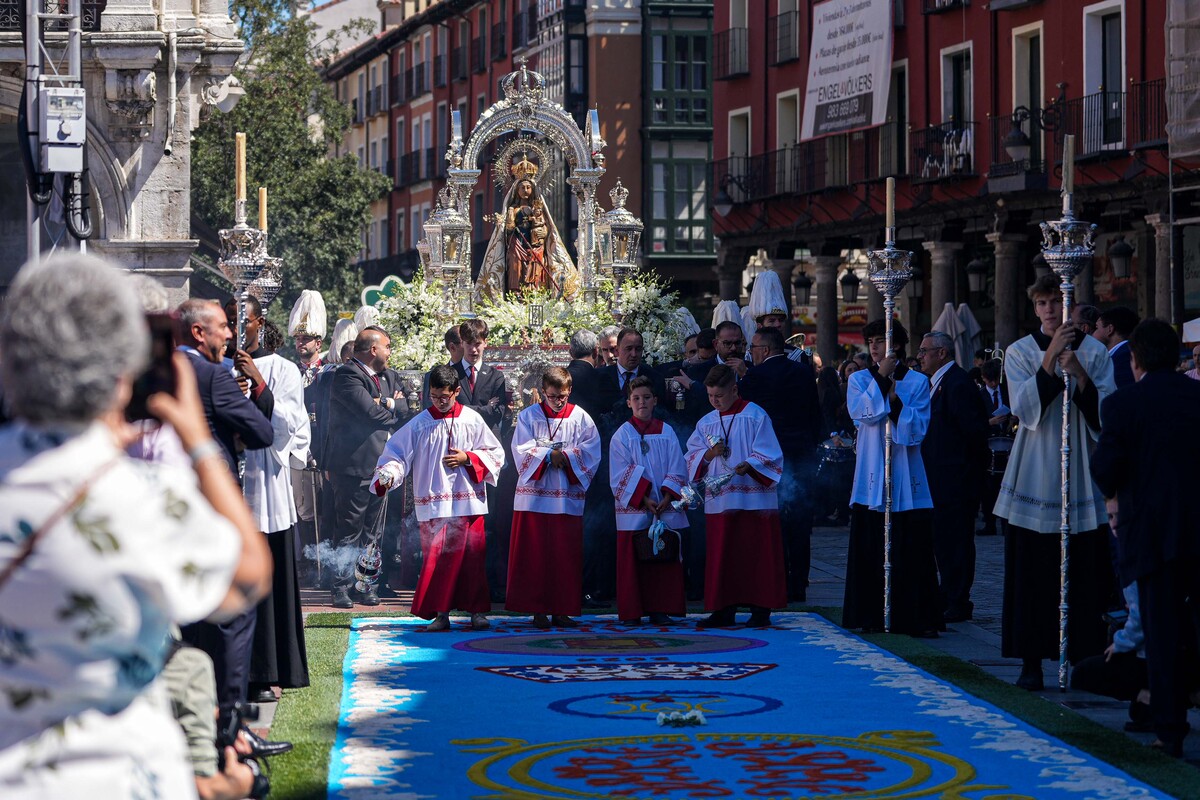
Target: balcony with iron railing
<point>479,54</point>
<point>439,71</point>
<point>1098,122</point>
<point>876,153</point>
<point>357,115</point>
<point>378,106</point>
<point>524,28</point>
<point>941,6</point>
<point>420,82</point>
<point>783,37</point>
<point>1147,107</point>
<point>398,88</point>
<point>409,169</point>
<point>731,54</point>
<point>458,64</point>
<point>943,152</point>
<point>498,41</point>
<point>433,166</point>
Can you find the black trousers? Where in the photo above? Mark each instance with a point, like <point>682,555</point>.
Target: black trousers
<point>228,644</point>
<point>1122,676</point>
<point>954,546</point>
<point>356,509</point>
<point>1169,598</point>
<point>796,523</point>
<point>1029,624</point>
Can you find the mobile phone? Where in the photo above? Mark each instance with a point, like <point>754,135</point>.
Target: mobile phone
<point>159,376</point>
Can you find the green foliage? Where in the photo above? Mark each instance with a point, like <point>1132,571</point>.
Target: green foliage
<point>317,204</point>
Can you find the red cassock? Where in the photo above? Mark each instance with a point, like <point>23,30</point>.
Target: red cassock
<point>743,542</point>
<point>647,587</point>
<point>453,576</point>
<point>545,564</point>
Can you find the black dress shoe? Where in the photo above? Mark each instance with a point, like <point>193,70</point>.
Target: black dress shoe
<point>957,616</point>
<point>368,598</point>
<point>341,599</point>
<point>262,695</point>
<point>264,748</point>
<point>659,618</point>
<point>718,619</point>
<point>1031,678</point>
<point>1173,749</point>
<point>759,619</point>
<point>591,602</point>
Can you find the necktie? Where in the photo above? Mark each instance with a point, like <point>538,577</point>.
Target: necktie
<point>995,399</point>
<point>378,385</point>
<point>624,380</point>
<point>471,377</point>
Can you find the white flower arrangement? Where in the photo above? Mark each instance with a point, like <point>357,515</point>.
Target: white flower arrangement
<point>412,313</point>
<point>675,719</point>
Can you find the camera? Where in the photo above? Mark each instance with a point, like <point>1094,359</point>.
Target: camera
<point>229,723</point>
<point>159,376</point>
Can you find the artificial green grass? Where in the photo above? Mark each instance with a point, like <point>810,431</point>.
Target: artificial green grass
<point>308,717</point>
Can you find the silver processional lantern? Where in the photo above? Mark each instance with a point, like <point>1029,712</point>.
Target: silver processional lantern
<point>267,285</point>
<point>889,270</point>
<point>1068,247</point>
<point>448,235</point>
<point>620,239</point>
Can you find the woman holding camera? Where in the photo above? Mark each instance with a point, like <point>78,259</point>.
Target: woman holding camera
<point>100,554</point>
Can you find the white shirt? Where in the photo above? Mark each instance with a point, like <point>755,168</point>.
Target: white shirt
<point>1117,347</point>
<point>541,486</point>
<point>417,449</point>
<point>936,380</point>
<point>91,608</point>
<point>267,481</point>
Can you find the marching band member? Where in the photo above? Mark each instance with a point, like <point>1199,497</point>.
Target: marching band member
<point>451,453</point>
<point>556,448</point>
<point>647,472</point>
<point>744,563</point>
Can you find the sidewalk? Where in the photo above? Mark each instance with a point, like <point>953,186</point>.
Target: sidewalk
<point>978,641</point>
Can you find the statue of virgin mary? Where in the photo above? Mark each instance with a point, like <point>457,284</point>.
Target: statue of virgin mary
<point>525,249</point>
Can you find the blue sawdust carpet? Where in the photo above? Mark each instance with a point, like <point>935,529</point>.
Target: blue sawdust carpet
<point>801,709</point>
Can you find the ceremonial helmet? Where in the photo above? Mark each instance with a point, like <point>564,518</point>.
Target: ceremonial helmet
<point>308,315</point>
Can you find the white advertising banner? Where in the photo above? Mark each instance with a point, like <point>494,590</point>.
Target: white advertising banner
<point>849,67</point>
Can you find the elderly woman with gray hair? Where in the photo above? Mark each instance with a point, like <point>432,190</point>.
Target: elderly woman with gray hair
<point>100,554</point>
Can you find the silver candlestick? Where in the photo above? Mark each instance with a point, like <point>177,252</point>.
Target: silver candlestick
<point>243,258</point>
<point>889,270</point>
<point>1068,245</point>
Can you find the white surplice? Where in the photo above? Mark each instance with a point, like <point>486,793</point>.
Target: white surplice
<point>417,449</point>
<point>542,487</point>
<point>869,409</point>
<point>634,473</point>
<point>1031,490</point>
<point>267,481</point>
<point>750,437</point>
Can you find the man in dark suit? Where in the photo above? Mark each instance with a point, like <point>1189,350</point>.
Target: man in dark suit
<point>611,380</point>
<point>1147,477</point>
<point>1113,328</point>
<point>363,410</point>
<point>585,353</point>
<point>994,394</point>
<point>482,388</point>
<point>787,391</point>
<point>233,419</point>
<point>954,452</point>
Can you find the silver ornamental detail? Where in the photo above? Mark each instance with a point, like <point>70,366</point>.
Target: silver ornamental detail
<point>890,268</point>
<point>243,254</point>
<point>1068,244</point>
<point>267,285</point>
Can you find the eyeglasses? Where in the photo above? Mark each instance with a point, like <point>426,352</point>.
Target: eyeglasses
<point>923,350</point>
<point>556,396</point>
<point>727,343</point>
<point>756,346</point>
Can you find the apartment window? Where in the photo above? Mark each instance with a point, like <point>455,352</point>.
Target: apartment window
<point>375,155</point>
<point>957,101</point>
<point>678,55</point>
<point>362,157</point>
<point>678,218</point>
<point>416,226</point>
<point>401,242</point>
<point>462,115</point>
<point>385,157</point>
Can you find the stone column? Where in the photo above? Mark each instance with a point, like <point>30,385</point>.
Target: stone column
<point>826,280</point>
<point>729,269</point>
<point>1160,224</point>
<point>783,268</point>
<point>940,284</point>
<point>1009,301</point>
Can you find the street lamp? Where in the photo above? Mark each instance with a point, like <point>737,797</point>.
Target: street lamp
<point>803,288</point>
<point>723,202</point>
<point>976,275</point>
<point>1120,253</point>
<point>850,283</point>
<point>1016,142</point>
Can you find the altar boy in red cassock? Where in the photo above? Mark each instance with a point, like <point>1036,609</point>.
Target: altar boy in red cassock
<point>646,471</point>
<point>744,544</point>
<point>451,453</point>
<point>556,449</point>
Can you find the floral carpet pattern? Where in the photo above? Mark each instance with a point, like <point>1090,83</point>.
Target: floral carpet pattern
<point>802,709</point>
